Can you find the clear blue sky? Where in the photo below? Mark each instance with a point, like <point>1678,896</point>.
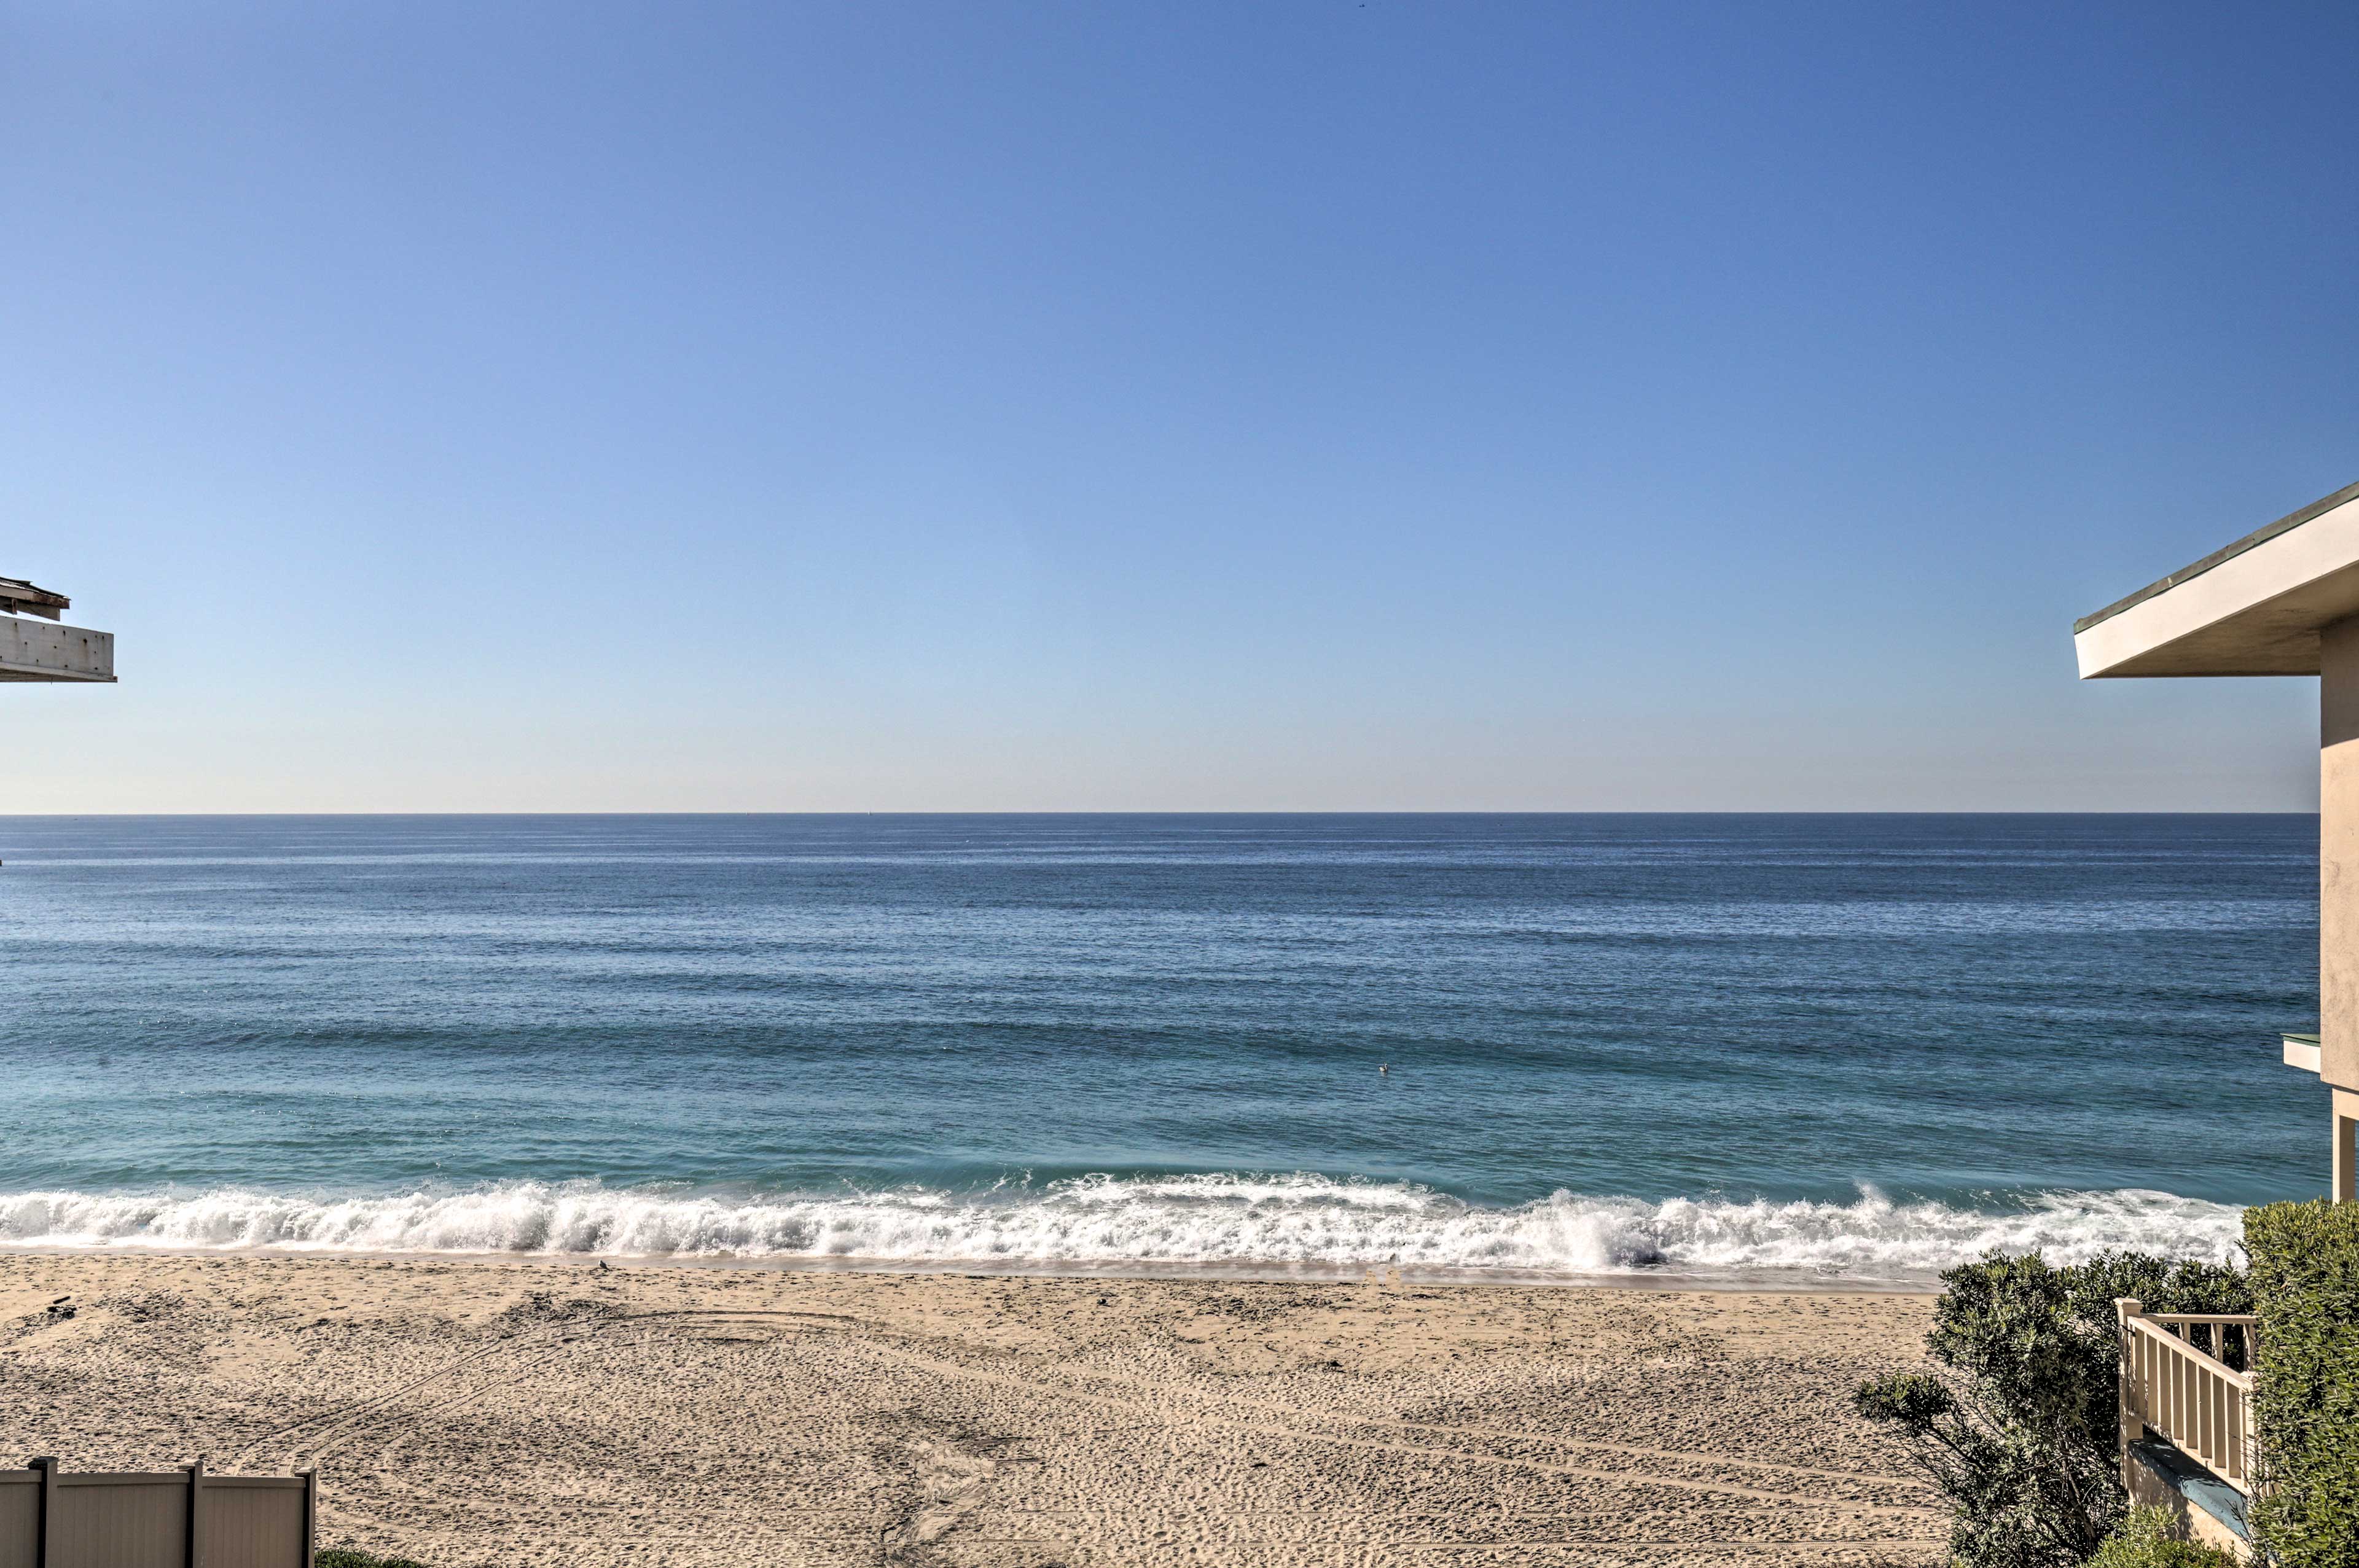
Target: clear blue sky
<point>1300,406</point>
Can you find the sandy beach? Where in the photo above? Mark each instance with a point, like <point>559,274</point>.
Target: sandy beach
<point>475,1414</point>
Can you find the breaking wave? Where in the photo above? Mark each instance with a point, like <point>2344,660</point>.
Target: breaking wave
<point>1301,1221</point>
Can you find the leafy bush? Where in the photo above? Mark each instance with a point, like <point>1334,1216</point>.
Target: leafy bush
<point>2306,1404</point>
<point>2144,1541</point>
<point>345,1557</point>
<point>2019,1428</point>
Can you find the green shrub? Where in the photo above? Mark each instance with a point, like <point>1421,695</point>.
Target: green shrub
<point>2144,1541</point>
<point>2020,1426</point>
<point>345,1557</point>
<point>2306,1273</point>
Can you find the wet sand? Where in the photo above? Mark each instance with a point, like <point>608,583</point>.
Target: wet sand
<point>471,1413</point>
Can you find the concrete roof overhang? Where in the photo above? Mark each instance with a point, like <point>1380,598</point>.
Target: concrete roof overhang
<point>33,650</point>
<point>2253,608</point>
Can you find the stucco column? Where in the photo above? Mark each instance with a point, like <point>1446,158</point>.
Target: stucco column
<point>2344,1187</point>
<point>2338,881</point>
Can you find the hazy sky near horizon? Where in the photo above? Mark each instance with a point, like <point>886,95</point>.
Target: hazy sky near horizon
<point>1127,407</point>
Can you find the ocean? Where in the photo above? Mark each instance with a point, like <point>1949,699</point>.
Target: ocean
<point>1712,1047</point>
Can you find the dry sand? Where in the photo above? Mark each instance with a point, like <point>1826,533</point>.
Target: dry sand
<point>506,1413</point>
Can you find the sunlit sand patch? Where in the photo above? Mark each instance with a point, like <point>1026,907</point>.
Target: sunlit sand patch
<point>469,1413</point>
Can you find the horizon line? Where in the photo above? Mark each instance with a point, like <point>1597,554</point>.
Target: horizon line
<point>1337,811</point>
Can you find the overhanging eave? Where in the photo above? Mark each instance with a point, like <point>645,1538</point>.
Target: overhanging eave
<point>2253,609</point>
<point>36,651</point>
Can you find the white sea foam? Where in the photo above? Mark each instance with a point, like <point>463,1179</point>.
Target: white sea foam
<point>1106,1221</point>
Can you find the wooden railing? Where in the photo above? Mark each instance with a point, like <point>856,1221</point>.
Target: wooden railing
<point>2174,1387</point>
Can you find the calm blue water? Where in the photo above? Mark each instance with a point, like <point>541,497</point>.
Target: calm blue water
<point>1854,1045</point>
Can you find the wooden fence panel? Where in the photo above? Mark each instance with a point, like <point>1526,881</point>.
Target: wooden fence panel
<point>59,1519</point>
<point>120,1521</point>
<point>20,1518</point>
<point>252,1523</point>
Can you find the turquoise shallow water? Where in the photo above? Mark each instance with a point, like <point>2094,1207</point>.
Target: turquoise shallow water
<point>1859,1046</point>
